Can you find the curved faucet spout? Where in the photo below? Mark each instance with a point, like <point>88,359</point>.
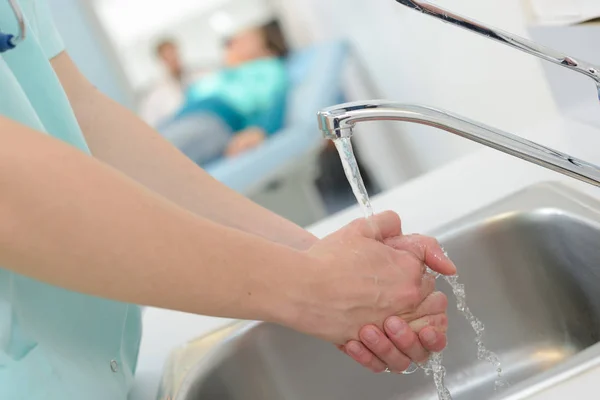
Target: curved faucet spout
<point>338,121</point>
<point>507,38</point>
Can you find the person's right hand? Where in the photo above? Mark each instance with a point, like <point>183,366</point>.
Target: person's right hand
<point>355,280</point>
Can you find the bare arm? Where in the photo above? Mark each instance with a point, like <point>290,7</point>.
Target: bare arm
<point>72,221</point>
<point>120,139</point>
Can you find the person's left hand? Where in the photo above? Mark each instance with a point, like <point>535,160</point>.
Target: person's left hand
<point>244,141</point>
<point>400,345</point>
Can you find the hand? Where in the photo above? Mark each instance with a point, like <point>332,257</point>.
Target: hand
<point>401,344</point>
<point>356,280</point>
<point>402,341</point>
<point>244,141</point>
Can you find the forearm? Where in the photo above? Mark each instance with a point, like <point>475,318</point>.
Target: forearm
<point>122,140</point>
<point>69,220</point>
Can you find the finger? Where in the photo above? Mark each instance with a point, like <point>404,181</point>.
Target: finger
<point>427,288</point>
<point>432,339</point>
<point>383,348</point>
<point>382,226</point>
<point>359,353</point>
<point>432,331</point>
<point>427,249</point>
<point>439,322</point>
<point>434,304</point>
<point>405,340</point>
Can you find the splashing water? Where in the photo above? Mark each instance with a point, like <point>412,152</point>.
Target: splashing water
<point>434,366</point>
<point>483,354</point>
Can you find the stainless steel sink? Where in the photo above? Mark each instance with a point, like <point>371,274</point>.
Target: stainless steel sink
<point>531,266</point>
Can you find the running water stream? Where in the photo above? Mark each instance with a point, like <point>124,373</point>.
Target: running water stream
<point>434,366</point>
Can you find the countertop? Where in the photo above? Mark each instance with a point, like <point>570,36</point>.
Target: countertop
<point>425,204</point>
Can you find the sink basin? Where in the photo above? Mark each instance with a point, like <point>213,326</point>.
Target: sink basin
<point>531,267</point>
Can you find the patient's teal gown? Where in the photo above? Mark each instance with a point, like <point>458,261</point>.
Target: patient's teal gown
<point>252,95</point>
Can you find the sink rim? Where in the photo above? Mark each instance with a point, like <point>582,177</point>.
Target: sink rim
<point>205,356</point>
<point>581,206</point>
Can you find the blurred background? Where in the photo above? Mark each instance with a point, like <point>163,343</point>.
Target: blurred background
<point>235,84</point>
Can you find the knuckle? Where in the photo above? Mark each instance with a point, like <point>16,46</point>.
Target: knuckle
<point>443,299</point>
<point>406,342</point>
<point>410,262</point>
<point>417,264</point>
<point>386,349</point>
<point>392,216</point>
<point>444,321</point>
<point>439,321</point>
<point>435,303</point>
<point>357,223</point>
<point>412,297</point>
<point>428,288</point>
<point>406,299</point>
<point>406,256</point>
<point>428,240</point>
<point>434,242</point>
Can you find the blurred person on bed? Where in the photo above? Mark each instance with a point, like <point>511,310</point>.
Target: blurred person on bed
<point>237,107</point>
<point>167,96</point>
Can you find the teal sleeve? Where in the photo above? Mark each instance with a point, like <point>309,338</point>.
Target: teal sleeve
<point>41,23</point>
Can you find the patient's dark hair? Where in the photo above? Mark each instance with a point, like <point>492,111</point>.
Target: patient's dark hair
<point>274,38</point>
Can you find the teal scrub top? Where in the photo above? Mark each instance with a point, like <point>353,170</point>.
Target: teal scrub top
<point>55,344</point>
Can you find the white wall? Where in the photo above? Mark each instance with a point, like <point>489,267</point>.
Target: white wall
<point>130,20</point>
<point>417,59</point>
<point>85,43</point>
<point>575,94</point>
<point>189,22</point>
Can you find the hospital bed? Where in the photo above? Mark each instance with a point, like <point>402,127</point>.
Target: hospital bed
<point>280,174</point>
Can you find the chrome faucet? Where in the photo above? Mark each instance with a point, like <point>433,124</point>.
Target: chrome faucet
<point>508,39</point>
<point>338,122</point>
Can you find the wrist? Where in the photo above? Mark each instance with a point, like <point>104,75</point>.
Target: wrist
<point>288,291</point>
<point>305,241</point>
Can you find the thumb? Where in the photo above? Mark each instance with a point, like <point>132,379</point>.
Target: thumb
<point>427,249</point>
<point>382,226</point>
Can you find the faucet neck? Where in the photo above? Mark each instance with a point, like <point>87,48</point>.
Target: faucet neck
<point>338,121</point>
